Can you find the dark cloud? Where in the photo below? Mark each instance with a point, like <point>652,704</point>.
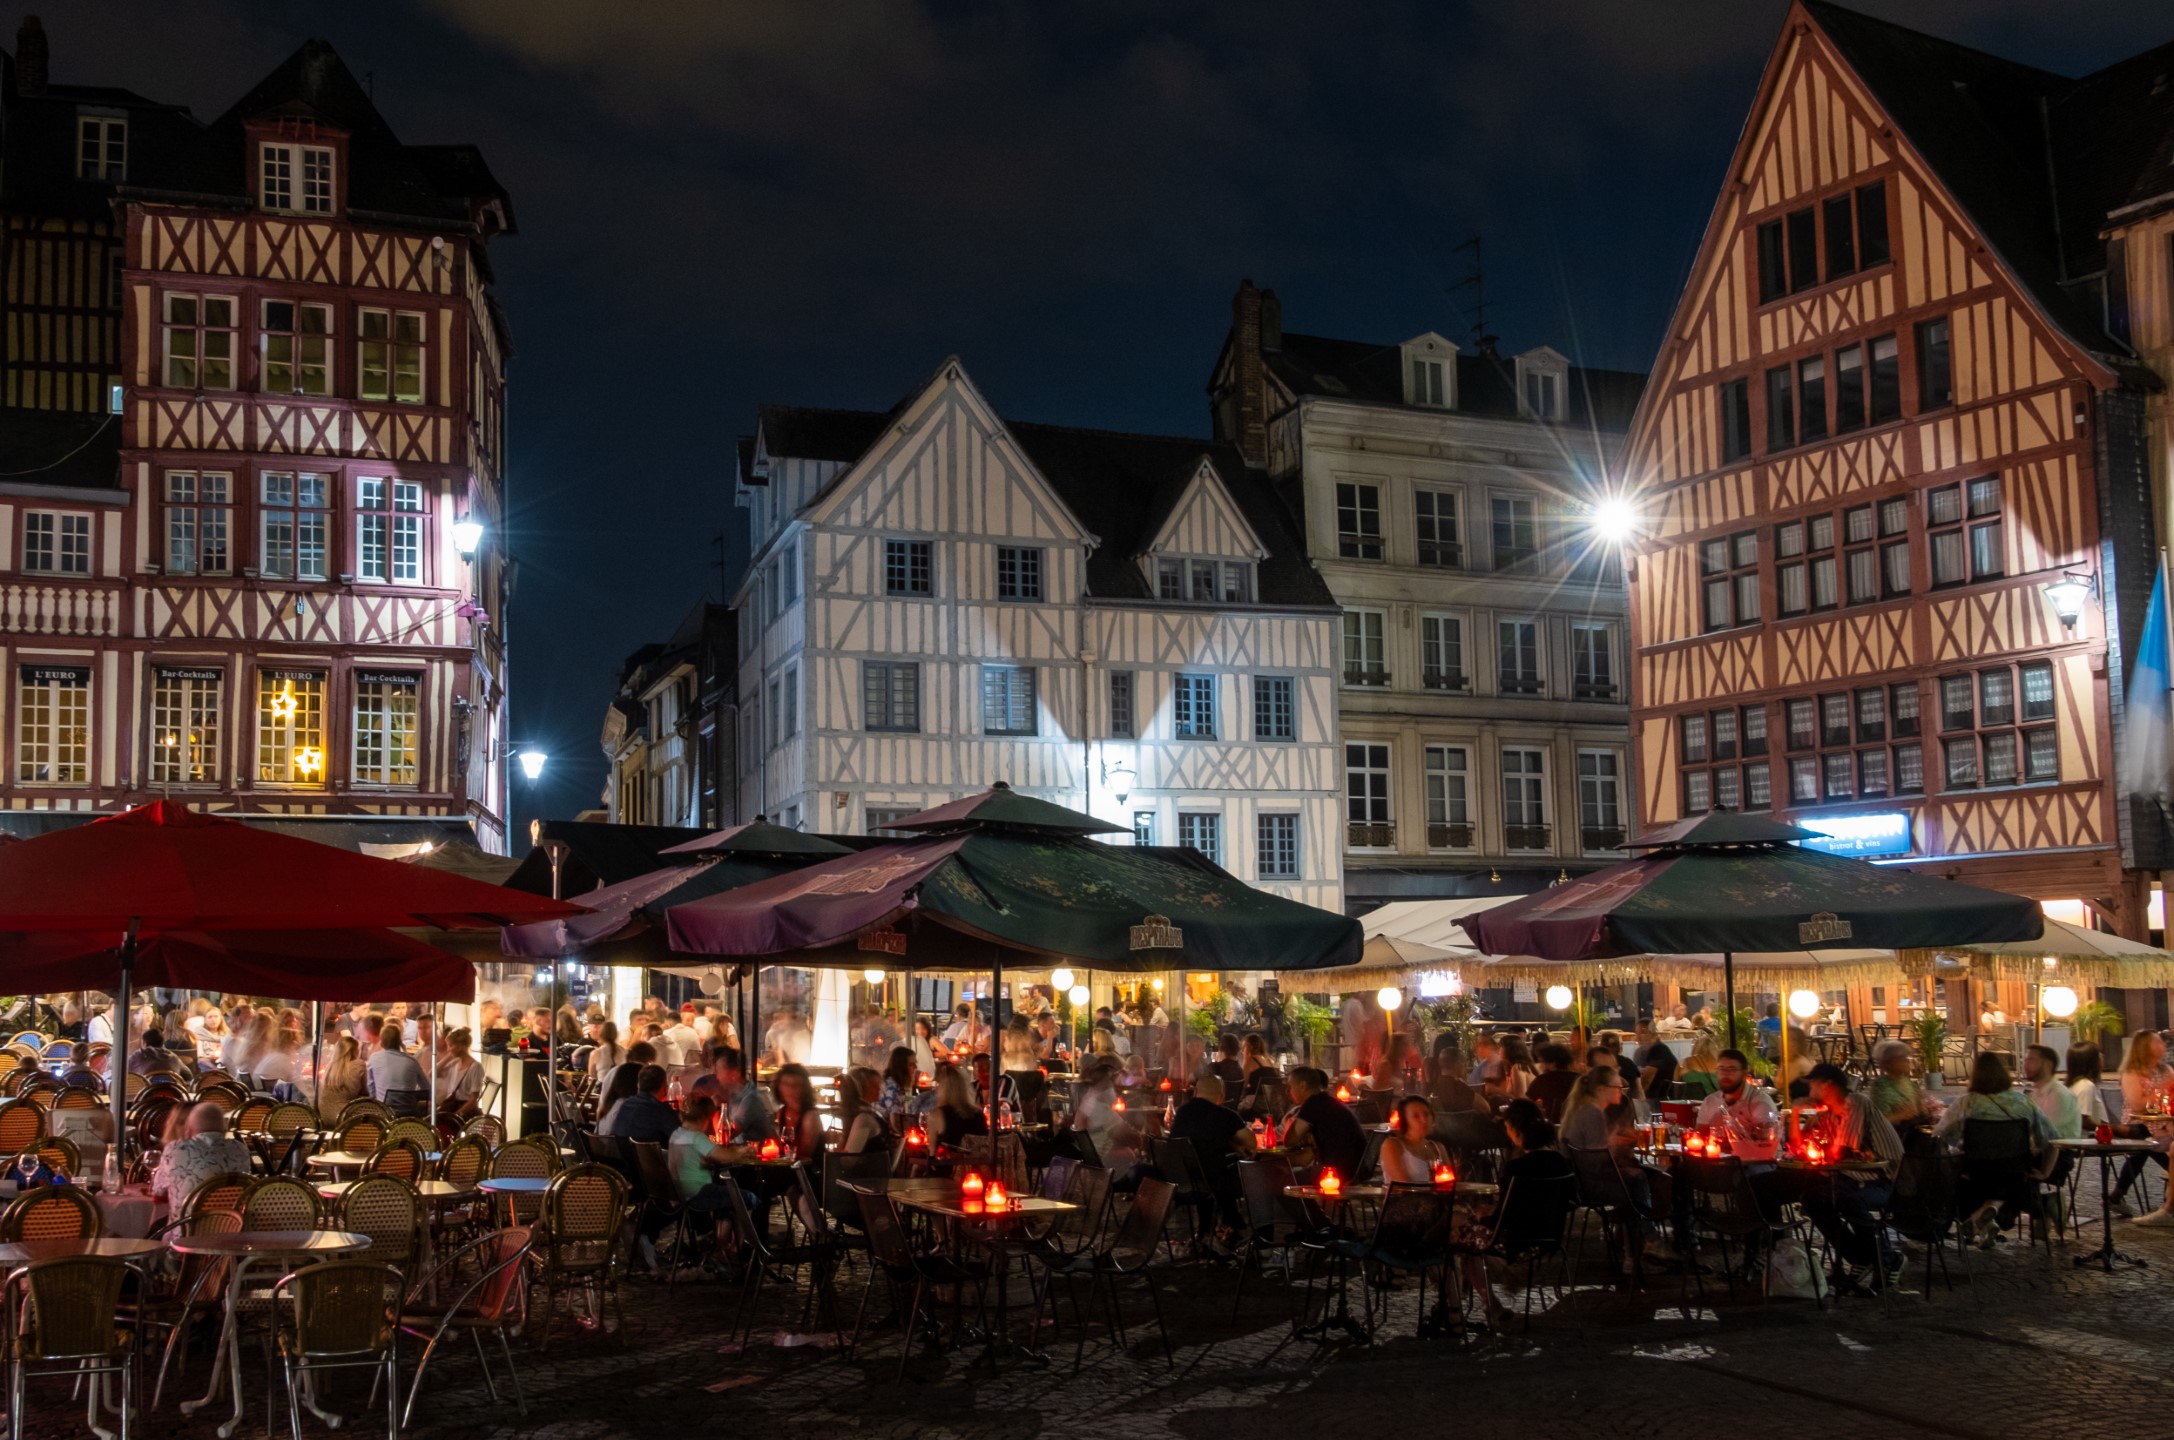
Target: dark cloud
<point>725,201</point>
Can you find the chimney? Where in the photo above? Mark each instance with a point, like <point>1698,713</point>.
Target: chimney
<point>1250,415</point>
<point>32,60</point>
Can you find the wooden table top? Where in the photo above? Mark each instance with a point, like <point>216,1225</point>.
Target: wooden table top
<point>30,1252</point>
<point>427,1189</point>
<point>271,1242</point>
<point>1476,1189</point>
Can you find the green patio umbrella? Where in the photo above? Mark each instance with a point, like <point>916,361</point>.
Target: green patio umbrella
<point>1727,883</point>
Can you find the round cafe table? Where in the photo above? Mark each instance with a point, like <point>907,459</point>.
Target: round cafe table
<point>2106,1256</point>
<point>435,1192</point>
<point>250,1249</point>
<point>338,1160</point>
<point>507,1187</point>
<point>31,1252</point>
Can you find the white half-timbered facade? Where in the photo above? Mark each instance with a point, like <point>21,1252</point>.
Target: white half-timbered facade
<point>939,599</point>
<point>253,400</point>
<point>1447,502</point>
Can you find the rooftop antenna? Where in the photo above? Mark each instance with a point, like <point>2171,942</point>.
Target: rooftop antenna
<point>724,594</point>
<point>1476,282</point>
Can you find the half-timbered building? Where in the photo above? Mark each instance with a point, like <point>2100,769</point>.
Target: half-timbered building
<point>251,430</point>
<point>939,599</point>
<point>668,734</point>
<point>1447,496</point>
<point>1897,466</point>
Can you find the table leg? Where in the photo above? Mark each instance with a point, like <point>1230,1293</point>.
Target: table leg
<point>2106,1256</point>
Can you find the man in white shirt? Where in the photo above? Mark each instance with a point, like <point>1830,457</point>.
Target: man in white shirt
<point>962,1020</point>
<point>683,1038</point>
<point>100,1029</point>
<point>1742,1109</point>
<point>2055,1101</point>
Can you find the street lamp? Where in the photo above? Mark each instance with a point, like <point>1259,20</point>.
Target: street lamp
<point>1061,979</point>
<point>532,763</point>
<point>1614,519</point>
<point>873,977</point>
<point>2069,594</point>
<point>467,537</point>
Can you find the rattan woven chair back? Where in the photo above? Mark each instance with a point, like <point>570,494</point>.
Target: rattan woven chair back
<point>22,1124</point>
<point>362,1134</point>
<point>465,1161</point>
<point>289,1119</point>
<point>213,1076</point>
<point>279,1203</point>
<point>58,1152</point>
<point>221,1194</point>
<point>72,1309</point>
<point>78,1097</point>
<point>343,1307</point>
<point>386,1209</point>
<point>419,1133</point>
<point>250,1118</point>
<point>583,1211</point>
<point>546,1148</point>
<point>226,1094</point>
<point>362,1108</point>
<point>402,1159</point>
<point>490,1127</point>
<point>522,1161</point>
<point>52,1212</point>
<point>39,1095</point>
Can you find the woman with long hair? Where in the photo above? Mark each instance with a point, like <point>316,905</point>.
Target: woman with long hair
<point>955,1115</point>
<point>1410,1152</point>
<point>858,1088</point>
<point>2143,1092</point>
<point>797,1119</point>
<point>344,1078</point>
<point>1516,1072</point>
<point>608,1055</point>
<point>460,1074</point>
<point>1989,1206</point>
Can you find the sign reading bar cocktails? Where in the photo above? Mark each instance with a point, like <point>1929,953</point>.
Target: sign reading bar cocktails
<point>1882,832</point>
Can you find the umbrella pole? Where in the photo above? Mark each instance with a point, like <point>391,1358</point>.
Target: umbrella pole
<point>117,1065</point>
<point>996,1041</point>
<point>316,1051</point>
<point>748,1041</point>
<point>437,1018</point>
<point>1728,991</point>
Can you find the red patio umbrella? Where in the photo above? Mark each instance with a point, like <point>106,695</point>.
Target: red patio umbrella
<point>293,964</point>
<point>160,868</point>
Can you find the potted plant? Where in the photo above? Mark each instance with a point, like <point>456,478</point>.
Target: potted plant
<point>2099,1023</point>
<point>1927,1030</point>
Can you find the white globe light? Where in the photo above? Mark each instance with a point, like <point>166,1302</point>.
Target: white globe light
<point>467,536</point>
<point>1062,979</point>
<point>873,977</point>
<point>1078,995</point>
<point>1558,997</point>
<point>1804,1004</point>
<point>1390,997</point>
<point>2060,1001</point>
<point>532,763</point>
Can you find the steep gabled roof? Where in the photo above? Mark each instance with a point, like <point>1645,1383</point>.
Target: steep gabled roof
<point>1373,374</point>
<point>1118,486</point>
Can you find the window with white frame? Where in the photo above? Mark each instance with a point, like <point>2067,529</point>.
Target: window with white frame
<point>1427,383</point>
<point>1366,647</point>
<point>56,542</point>
<point>53,724</point>
<point>199,521</point>
<point>1441,652</point>
<point>385,711</point>
<point>1008,700</point>
<point>101,147</point>
<point>1592,661</point>
<point>1276,845</point>
<point>297,341</point>
<point>291,727</point>
<point>1275,707</point>
<point>1202,830</point>
<point>1449,811</point>
<point>389,357</point>
<point>891,695</point>
<point>1516,526</point>
<point>1441,534</point>
<point>1018,572</point>
<point>1543,395</point>
<point>1358,520</point>
<point>1524,798</point>
<point>296,179</point>
<point>1143,827</point>
<point>1366,796</point>
<point>294,525</point>
<point>1123,720</point>
<point>1204,581</point>
<point>878,819</point>
<point>185,710</point>
<point>1193,707</point>
<point>1600,800</point>
<point>389,530</point>
<point>1517,657</point>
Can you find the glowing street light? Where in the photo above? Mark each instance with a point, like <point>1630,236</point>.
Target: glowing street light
<point>532,763</point>
<point>1389,998</point>
<point>873,977</point>
<point>1077,995</point>
<point>1614,520</point>
<point>467,537</point>
<point>1061,979</point>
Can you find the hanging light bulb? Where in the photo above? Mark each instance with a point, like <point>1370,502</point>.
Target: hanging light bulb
<point>1061,978</point>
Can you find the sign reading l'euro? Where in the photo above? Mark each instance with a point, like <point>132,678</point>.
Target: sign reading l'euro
<point>1882,832</point>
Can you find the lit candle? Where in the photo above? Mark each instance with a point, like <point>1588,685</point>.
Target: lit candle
<point>971,1187</point>
<point>1120,1105</point>
<point>1444,1176</point>
<point>1165,1086</point>
<point>917,1138</point>
<point>995,1200</point>
<point>768,1150</point>
<point>1813,1153</point>
<point>1331,1183</point>
<point>1343,1094</point>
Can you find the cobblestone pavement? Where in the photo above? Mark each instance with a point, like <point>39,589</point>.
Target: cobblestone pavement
<point>2018,1346</point>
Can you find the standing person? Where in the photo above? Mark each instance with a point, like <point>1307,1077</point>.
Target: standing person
<point>955,1115</point>
<point>787,1040</point>
<point>2144,1078</point>
<point>681,1036</point>
<point>1846,1211</point>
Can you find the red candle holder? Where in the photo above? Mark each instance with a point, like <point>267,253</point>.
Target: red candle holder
<point>768,1150</point>
<point>1444,1177</point>
<point>994,1200</point>
<point>917,1139</point>
<point>1343,1094</point>
<point>1331,1183</point>
<point>1120,1107</point>
<point>1165,1086</point>
<point>972,1187</point>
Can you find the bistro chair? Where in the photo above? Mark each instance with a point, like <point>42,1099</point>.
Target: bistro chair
<point>1601,1192</point>
<point>817,1255</point>
<point>583,1214</point>
<point>362,1135</point>
<point>402,1159</point>
<point>57,1050</point>
<point>1922,1208</point>
<point>408,1104</point>
<point>52,1212</point>
<point>82,1079</point>
<point>1272,1220</point>
<point>489,1128</point>
<point>1997,1165</point>
<point>22,1124</point>
<point>465,1161</point>
<point>362,1109</point>
<point>1476,1143</point>
<point>491,1302</point>
<point>415,1132</point>
<point>284,1140</point>
<point>546,1148</point>
<point>523,1162</point>
<point>1530,1223</point>
<point>222,1194</point>
<point>67,1323</point>
<point>213,1076</point>
<point>77,1097</point>
<point>1129,1253</point>
<point>387,1209</point>
<point>662,1207</point>
<point>173,1300</point>
<point>908,1274</point>
<point>58,1152</point>
<point>254,1111</point>
<point>1412,1233</point>
<point>228,1095</point>
<point>1724,1206</point>
<point>1179,1163</point>
<point>340,1315</point>
<point>279,1202</point>
<point>845,1177</point>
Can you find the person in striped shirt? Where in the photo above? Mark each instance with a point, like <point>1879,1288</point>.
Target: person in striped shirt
<point>1850,1127</point>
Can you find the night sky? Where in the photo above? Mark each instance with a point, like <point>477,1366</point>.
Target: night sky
<point>723,204</point>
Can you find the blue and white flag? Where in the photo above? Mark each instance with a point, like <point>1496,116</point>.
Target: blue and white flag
<point>2150,709</point>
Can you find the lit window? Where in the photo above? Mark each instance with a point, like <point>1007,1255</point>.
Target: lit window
<point>390,359</point>
<point>297,348</point>
<point>53,724</point>
<point>199,333</point>
<point>291,727</point>
<point>295,178</point>
<point>185,706</point>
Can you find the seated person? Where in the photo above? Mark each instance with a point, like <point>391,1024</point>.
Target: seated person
<point>1558,1073</point>
<point>642,1115</point>
<point>1410,1152</point>
<point>205,1152</point>
<point>1534,1161</point>
<point>955,1115</point>
<point>1218,1136</point>
<point>1846,1210</point>
<point>1599,1117</point>
<point>694,1154</point>
<point>1323,1128</point>
<point>1742,1110</point>
<point>1989,1197</point>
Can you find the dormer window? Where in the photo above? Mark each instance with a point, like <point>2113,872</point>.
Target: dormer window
<point>296,179</point>
<point>1430,375</point>
<point>1204,582</point>
<point>101,147</point>
<point>1543,385</point>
